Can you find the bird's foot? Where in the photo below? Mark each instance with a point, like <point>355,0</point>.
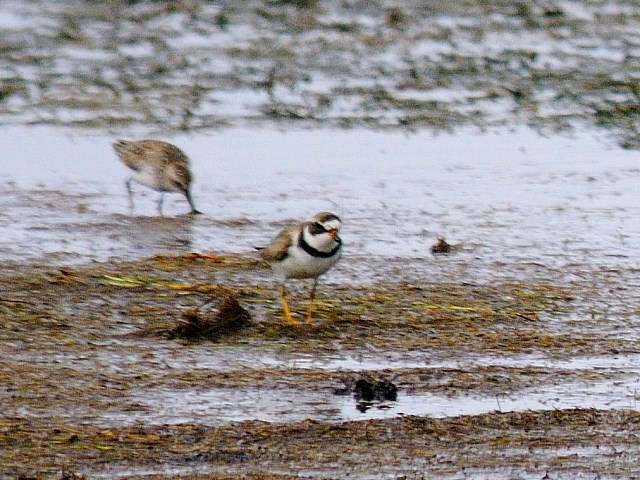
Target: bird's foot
<point>287,313</point>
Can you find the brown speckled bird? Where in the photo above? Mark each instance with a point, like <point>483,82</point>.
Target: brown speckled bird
<point>158,165</point>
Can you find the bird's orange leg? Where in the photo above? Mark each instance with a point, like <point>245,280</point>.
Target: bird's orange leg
<point>285,306</point>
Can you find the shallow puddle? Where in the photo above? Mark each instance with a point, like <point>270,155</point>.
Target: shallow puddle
<point>221,406</point>
<point>166,396</point>
<point>510,199</point>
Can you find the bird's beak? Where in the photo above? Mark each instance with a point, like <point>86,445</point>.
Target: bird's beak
<point>333,234</point>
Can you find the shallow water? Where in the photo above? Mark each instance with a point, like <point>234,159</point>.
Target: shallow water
<point>158,402</point>
<point>513,198</point>
<point>215,406</point>
<point>221,406</point>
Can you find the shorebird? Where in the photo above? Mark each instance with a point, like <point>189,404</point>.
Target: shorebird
<point>305,250</point>
<point>158,165</point>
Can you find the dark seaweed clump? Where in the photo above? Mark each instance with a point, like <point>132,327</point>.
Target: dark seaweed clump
<point>230,319</point>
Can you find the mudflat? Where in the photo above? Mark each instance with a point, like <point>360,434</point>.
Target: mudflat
<point>100,378</point>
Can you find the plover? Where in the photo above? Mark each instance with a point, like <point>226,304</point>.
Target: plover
<point>305,250</point>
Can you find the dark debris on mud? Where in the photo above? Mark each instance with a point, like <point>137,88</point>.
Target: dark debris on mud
<point>368,392</point>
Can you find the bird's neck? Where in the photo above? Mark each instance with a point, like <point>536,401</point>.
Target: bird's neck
<point>321,245</point>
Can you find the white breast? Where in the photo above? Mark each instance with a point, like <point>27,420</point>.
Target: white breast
<point>151,177</point>
<point>299,264</point>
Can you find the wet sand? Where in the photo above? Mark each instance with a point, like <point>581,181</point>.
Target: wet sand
<point>514,356</point>
<point>512,378</point>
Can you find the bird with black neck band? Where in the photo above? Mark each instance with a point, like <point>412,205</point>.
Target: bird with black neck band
<point>305,250</point>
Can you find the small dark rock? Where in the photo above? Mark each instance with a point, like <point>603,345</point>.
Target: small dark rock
<point>368,390</point>
<point>364,390</point>
<point>378,391</point>
<point>369,393</point>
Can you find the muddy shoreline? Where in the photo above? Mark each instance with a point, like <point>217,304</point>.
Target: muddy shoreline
<point>93,382</point>
<point>515,356</point>
<point>560,444</point>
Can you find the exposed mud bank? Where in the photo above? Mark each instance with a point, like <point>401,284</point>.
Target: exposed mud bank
<point>93,381</point>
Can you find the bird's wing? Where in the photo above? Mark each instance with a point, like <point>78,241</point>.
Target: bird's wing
<point>129,153</point>
<point>278,249</point>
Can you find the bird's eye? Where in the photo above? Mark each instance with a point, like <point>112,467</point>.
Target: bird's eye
<point>317,228</point>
